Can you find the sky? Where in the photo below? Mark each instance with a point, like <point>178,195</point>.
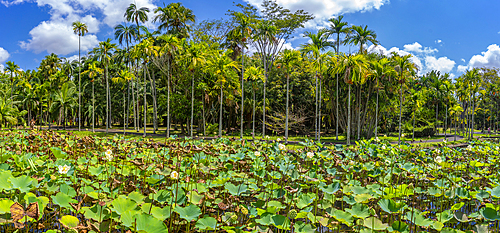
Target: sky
<point>450,36</point>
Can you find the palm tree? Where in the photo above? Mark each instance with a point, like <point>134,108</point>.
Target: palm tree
<point>361,36</point>
<point>80,29</point>
<point>338,27</point>
<point>136,14</point>
<point>264,37</point>
<point>124,32</point>
<point>254,73</point>
<point>381,69</point>
<point>175,19</point>
<point>103,53</point>
<point>244,31</point>
<point>64,99</point>
<point>405,69</point>
<point>223,68</point>
<point>93,71</point>
<point>319,42</point>
<point>473,79</point>
<point>166,52</point>
<point>12,68</point>
<point>195,57</point>
<point>124,78</point>
<point>289,59</point>
<point>8,111</point>
<point>353,67</point>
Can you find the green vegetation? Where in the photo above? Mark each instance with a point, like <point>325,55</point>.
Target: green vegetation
<point>66,183</point>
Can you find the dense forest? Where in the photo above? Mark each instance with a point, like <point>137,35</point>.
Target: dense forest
<point>235,76</point>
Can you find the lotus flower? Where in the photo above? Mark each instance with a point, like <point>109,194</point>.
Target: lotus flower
<point>281,146</point>
<point>109,155</point>
<point>438,159</point>
<point>256,153</point>
<point>174,175</point>
<point>310,155</point>
<point>63,169</point>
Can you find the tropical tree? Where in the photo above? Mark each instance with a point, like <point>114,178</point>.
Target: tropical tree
<point>103,53</point>
<point>381,69</point>
<point>194,57</point>
<point>12,68</point>
<point>93,70</point>
<point>80,29</point>
<point>405,69</point>
<point>289,59</point>
<point>169,45</point>
<point>135,14</point>
<point>319,42</point>
<point>254,74</point>
<point>361,36</point>
<point>338,27</point>
<point>353,68</point>
<point>175,19</point>
<point>8,111</point>
<point>124,78</point>
<point>64,99</point>
<point>224,69</point>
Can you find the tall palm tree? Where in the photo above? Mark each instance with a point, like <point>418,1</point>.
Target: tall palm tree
<point>289,59</point>
<point>80,29</point>
<point>103,53</point>
<point>223,68</point>
<point>64,99</point>
<point>264,37</point>
<point>12,68</point>
<point>124,77</point>
<point>169,44</point>
<point>361,36</point>
<point>405,69</point>
<point>381,69</point>
<point>254,73</point>
<point>473,79</point>
<point>124,32</point>
<point>135,14</point>
<point>195,57</point>
<point>353,68</point>
<point>8,111</point>
<point>175,19</point>
<point>93,70</point>
<point>244,31</point>
<point>338,27</point>
<point>319,42</point>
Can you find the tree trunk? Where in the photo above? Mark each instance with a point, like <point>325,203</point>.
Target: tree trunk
<point>316,107</point>
<point>287,108</point>
<point>192,105</point>
<point>145,103</point>
<point>349,116</point>
<point>107,100</point>
<point>79,87</point>
<point>376,114</point>
<point>242,90</point>
<point>220,115</point>
<point>253,114</point>
<point>264,99</point>
<point>93,108</point>
<point>168,97</point>
<point>400,111</point>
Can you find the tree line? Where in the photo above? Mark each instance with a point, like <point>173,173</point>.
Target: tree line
<point>229,75</point>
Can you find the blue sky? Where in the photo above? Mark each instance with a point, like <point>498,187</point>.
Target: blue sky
<point>446,35</point>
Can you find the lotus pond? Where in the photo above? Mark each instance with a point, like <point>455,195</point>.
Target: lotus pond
<point>51,182</point>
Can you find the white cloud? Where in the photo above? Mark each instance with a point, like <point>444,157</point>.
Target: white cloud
<point>489,59</point>
<point>442,64</point>
<point>57,37</point>
<point>417,48</point>
<point>324,9</point>
<point>382,50</point>
<point>1,67</point>
<point>461,68</point>
<point>4,55</point>
<point>438,41</point>
<point>463,60</point>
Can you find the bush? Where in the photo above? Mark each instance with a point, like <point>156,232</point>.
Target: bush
<point>424,131</point>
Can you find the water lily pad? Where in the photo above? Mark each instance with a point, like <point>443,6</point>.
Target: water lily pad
<point>359,211</point>
<point>5,205</point>
<point>69,221</point>
<point>189,213</point>
<point>149,224</point>
<point>375,224</point>
<point>63,200</point>
<point>206,223</point>
<point>489,214</point>
<point>122,204</point>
